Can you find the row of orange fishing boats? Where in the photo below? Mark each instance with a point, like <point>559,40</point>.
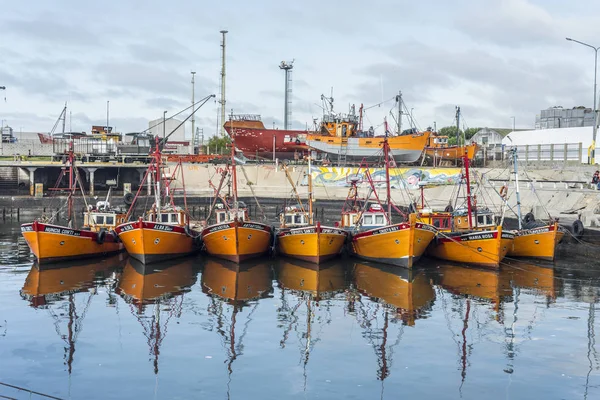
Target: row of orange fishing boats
<point>468,234</point>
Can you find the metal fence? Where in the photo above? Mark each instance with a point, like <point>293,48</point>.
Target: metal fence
<point>562,152</point>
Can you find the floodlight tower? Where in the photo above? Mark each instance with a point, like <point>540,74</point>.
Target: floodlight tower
<point>287,117</point>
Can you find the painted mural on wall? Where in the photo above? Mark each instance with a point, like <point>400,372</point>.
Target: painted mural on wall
<point>399,177</point>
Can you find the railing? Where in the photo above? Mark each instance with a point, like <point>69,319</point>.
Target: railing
<point>560,152</point>
<point>245,117</point>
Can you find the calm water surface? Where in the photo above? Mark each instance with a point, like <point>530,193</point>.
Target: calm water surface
<point>272,329</point>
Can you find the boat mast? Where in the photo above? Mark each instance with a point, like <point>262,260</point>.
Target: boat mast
<point>386,153</point>
<point>399,101</point>
<point>71,186</point>
<point>310,194</point>
<point>515,162</point>
<point>233,170</point>
<point>469,206</point>
<point>157,176</point>
<point>457,126</point>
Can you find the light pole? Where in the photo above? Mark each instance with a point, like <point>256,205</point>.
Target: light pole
<point>513,120</point>
<point>193,117</point>
<point>595,130</point>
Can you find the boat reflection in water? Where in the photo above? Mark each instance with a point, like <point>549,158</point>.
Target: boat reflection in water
<point>54,287</point>
<point>540,279</point>
<point>161,284</point>
<point>408,292</point>
<point>311,285</point>
<point>231,287</point>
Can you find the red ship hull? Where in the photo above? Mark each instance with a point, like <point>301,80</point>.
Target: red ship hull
<point>254,140</point>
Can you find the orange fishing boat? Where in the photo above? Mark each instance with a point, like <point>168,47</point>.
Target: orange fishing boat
<point>462,238</point>
<point>538,240</point>
<point>237,283</point>
<point>373,235</point>
<point>408,291</point>
<point>439,150</point>
<point>235,237</point>
<point>165,232</point>
<point>52,243</point>
<point>299,237</point>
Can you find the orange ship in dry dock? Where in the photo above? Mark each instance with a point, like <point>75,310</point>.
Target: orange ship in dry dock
<point>235,237</point>
<point>53,243</point>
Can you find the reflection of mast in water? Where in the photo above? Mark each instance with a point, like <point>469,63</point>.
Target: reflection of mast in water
<point>45,286</point>
<point>156,284</point>
<point>237,285</point>
<point>399,295</point>
<point>311,283</point>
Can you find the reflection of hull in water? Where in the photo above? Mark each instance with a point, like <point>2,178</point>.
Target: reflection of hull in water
<point>237,282</point>
<point>151,242</point>
<point>312,243</point>
<point>401,244</point>
<point>409,291</point>
<point>537,242</point>
<point>493,286</point>
<point>54,243</point>
<point>143,284</point>
<point>318,280</point>
<point>539,278</point>
<point>46,283</point>
<point>483,248</point>
<point>237,241</point>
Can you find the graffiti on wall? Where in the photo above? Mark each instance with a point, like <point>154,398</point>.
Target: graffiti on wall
<point>399,177</point>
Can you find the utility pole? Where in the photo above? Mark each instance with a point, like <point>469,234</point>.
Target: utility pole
<point>107,114</point>
<point>164,125</point>
<point>222,101</point>
<point>193,117</point>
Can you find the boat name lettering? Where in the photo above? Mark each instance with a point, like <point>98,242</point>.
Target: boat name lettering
<point>69,232</point>
<point>218,228</point>
<point>480,236</point>
<point>427,227</point>
<point>386,230</point>
<point>303,231</point>
<point>253,226</point>
<point>507,235</point>
<point>329,230</point>
<point>127,228</point>
<point>28,228</point>
<point>165,228</point>
<point>536,230</point>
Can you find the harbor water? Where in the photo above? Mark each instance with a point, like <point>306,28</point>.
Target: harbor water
<point>276,329</point>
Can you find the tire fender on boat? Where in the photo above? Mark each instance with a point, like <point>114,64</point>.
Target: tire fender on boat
<point>101,236</point>
<point>578,229</point>
<point>449,208</point>
<point>529,218</point>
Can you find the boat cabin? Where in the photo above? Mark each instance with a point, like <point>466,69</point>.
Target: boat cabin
<point>373,217</point>
<point>482,219</point>
<point>441,220</point>
<point>169,217</point>
<point>438,141</point>
<point>229,214</point>
<point>294,217</point>
<point>102,216</point>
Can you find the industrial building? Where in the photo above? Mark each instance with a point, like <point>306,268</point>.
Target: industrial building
<point>558,117</point>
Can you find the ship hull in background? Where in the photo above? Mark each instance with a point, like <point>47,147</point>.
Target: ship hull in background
<point>256,141</point>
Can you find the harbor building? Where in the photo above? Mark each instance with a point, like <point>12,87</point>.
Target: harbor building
<point>558,117</point>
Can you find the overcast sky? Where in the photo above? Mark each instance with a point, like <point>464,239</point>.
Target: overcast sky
<point>494,58</point>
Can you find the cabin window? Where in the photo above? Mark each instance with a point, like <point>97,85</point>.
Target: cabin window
<point>481,219</point>
<point>164,218</point>
<point>100,219</point>
<point>490,220</point>
<point>288,219</point>
<point>110,220</point>
<point>121,220</point>
<point>437,223</point>
<point>174,218</point>
<point>220,217</point>
<point>368,220</point>
<point>379,219</point>
<point>297,219</point>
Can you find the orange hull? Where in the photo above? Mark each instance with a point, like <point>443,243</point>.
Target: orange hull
<point>53,243</point>
<point>237,283</point>
<point>150,242</point>
<point>485,248</point>
<point>320,281</point>
<point>401,244</point>
<point>313,243</point>
<point>237,241</point>
<point>537,242</point>
<point>452,152</point>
